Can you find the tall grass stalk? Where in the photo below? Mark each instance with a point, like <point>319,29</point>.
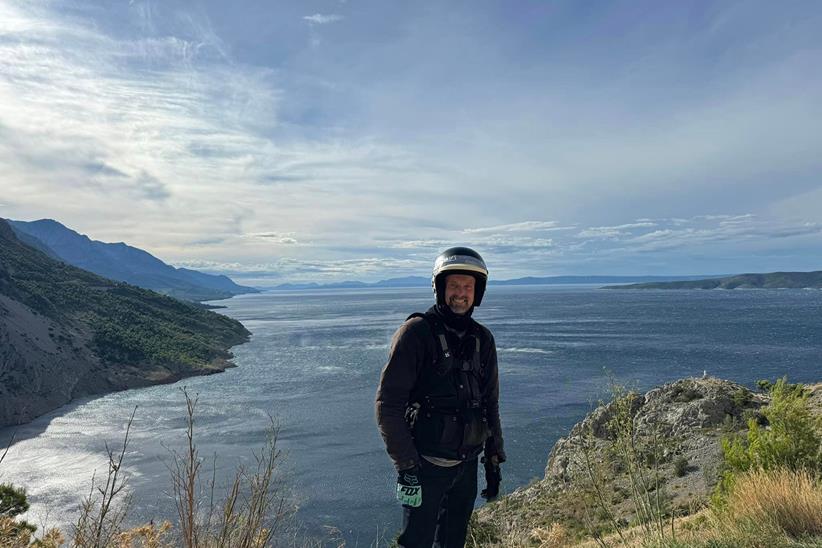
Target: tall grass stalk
<point>640,459</point>
<point>101,516</point>
<point>255,508</point>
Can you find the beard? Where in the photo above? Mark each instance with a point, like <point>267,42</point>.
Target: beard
<point>458,305</point>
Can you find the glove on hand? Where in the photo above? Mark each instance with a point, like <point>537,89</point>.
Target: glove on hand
<point>409,489</point>
<point>493,477</point>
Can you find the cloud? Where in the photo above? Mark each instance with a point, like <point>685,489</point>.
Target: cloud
<point>215,133</point>
<point>168,144</point>
<point>524,226</point>
<point>612,232</point>
<point>275,238</point>
<point>322,19</point>
<point>274,272</point>
<point>421,244</point>
<point>101,168</point>
<point>151,187</point>
<point>701,234</point>
<point>628,248</point>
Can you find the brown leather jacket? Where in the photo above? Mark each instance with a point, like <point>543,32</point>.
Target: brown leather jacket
<point>412,348</point>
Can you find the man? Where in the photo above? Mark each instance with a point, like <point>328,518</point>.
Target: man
<point>437,406</point>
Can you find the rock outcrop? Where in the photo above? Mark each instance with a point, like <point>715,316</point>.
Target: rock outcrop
<point>678,430</point>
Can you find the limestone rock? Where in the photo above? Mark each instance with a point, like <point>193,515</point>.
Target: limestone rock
<point>683,422</point>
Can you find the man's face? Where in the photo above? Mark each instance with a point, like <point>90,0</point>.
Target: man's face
<point>459,292</point>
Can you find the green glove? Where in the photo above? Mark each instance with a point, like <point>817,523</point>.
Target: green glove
<point>409,489</point>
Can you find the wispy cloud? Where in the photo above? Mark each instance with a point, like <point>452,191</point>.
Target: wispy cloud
<point>323,19</point>
<point>513,250</point>
<point>208,132</point>
<point>274,237</point>
<point>166,141</point>
<point>272,273</point>
<point>524,226</point>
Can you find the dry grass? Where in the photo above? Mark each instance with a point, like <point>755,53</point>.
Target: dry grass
<point>145,536</point>
<point>556,536</point>
<point>688,530</point>
<point>782,501</point>
<point>14,536</point>
<point>779,508</point>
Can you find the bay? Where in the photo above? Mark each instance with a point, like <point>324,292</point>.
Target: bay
<point>314,359</point>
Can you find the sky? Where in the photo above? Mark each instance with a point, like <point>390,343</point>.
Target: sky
<point>346,139</point>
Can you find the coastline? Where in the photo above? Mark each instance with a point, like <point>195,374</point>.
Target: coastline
<point>119,378</point>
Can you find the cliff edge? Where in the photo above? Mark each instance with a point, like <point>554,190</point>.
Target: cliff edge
<point>677,435</point>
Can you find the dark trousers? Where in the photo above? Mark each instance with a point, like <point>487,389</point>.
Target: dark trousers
<point>448,495</point>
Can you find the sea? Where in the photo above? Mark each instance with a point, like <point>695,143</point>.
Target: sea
<point>313,363</point>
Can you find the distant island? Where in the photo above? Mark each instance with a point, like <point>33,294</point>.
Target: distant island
<point>772,280</point>
<point>422,281</point>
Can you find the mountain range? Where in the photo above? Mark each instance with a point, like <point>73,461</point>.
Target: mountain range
<point>124,263</point>
<point>66,333</point>
<point>421,281</point>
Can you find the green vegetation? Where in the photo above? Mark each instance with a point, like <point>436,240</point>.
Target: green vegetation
<point>769,494</point>
<point>13,502</point>
<point>680,467</point>
<point>127,324</point>
<point>792,439</point>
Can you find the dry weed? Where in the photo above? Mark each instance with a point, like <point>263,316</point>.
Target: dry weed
<point>782,500</point>
<point>556,536</point>
<point>149,535</point>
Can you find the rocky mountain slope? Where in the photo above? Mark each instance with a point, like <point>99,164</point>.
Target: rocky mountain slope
<point>66,333</point>
<point>678,433</point>
<point>124,263</point>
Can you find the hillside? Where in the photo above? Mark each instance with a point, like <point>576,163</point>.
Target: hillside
<point>66,333</point>
<point>124,263</point>
<point>678,430</point>
<point>773,280</point>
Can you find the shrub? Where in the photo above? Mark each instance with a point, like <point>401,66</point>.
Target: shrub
<point>15,533</point>
<point>791,440</point>
<point>681,466</point>
<point>12,500</point>
<point>741,397</point>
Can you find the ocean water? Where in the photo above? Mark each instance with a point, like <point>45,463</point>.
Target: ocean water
<point>314,360</point>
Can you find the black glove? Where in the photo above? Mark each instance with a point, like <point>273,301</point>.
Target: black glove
<point>409,488</point>
<point>493,477</point>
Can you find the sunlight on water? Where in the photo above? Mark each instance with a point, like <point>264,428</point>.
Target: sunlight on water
<point>314,360</point>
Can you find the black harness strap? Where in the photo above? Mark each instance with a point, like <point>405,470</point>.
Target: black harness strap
<point>474,365</point>
<point>449,395</point>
